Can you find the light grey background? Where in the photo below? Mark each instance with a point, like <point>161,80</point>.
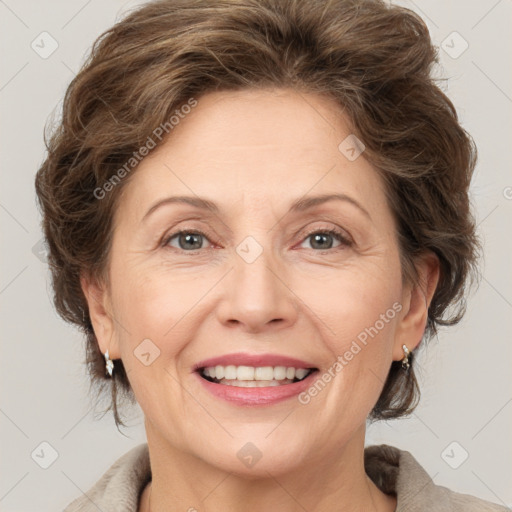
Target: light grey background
<point>466,372</point>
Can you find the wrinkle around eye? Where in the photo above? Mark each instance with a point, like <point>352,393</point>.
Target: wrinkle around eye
<point>164,227</point>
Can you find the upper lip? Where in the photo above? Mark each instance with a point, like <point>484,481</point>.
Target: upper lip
<point>256,360</point>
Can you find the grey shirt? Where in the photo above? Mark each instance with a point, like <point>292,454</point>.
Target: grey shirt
<point>393,470</point>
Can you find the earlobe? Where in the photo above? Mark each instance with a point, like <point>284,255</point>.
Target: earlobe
<point>416,301</point>
<point>98,302</point>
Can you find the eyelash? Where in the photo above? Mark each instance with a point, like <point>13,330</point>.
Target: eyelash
<point>345,242</point>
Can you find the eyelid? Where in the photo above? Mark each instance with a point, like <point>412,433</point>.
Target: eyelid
<point>344,237</point>
<point>342,233</point>
<point>202,232</point>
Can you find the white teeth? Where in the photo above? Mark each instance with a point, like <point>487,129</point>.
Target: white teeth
<point>254,383</point>
<point>250,374</point>
<point>230,372</point>
<point>219,372</point>
<point>264,373</point>
<point>245,373</point>
<point>301,373</point>
<point>280,373</point>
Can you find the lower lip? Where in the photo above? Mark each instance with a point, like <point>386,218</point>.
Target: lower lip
<point>257,396</point>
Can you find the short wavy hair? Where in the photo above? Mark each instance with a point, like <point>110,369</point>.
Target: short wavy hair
<point>375,60</point>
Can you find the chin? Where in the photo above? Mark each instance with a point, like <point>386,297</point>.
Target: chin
<point>255,457</point>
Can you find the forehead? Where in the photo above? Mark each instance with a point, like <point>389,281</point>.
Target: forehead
<point>256,146</point>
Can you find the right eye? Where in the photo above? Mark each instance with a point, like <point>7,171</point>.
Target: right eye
<point>187,240</point>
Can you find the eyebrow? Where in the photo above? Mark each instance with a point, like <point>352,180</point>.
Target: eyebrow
<point>299,205</point>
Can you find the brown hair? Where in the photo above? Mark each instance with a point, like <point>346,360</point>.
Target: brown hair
<point>375,60</point>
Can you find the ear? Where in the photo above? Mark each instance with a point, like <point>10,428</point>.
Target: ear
<point>100,312</point>
<point>416,300</point>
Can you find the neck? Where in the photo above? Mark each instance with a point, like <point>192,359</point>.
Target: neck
<point>182,481</point>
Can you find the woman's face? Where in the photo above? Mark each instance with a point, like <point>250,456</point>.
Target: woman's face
<point>267,278</point>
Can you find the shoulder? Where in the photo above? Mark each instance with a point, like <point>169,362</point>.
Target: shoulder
<point>119,488</point>
<point>397,471</point>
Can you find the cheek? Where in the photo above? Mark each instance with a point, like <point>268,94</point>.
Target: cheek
<point>152,331</point>
<point>355,304</point>
<point>149,314</point>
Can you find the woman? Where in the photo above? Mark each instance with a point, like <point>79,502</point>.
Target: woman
<point>257,210</point>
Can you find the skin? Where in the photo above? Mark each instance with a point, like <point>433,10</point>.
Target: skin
<point>254,153</point>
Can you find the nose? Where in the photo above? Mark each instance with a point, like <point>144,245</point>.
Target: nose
<point>257,295</point>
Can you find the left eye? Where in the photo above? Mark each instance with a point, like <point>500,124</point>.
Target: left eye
<point>319,238</point>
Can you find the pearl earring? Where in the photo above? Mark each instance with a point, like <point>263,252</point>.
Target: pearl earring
<point>405,360</point>
<point>109,364</point>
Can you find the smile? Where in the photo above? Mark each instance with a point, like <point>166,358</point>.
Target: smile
<point>254,377</point>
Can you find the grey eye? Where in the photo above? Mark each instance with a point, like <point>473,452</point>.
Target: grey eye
<point>187,240</point>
